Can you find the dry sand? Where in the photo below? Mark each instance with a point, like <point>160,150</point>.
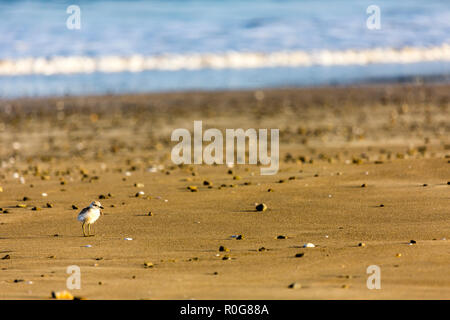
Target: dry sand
<point>393,139</point>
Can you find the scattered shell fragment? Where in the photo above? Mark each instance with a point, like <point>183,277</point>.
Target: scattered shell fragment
<point>74,207</point>
<point>412,242</point>
<point>361,244</point>
<point>49,205</point>
<point>309,245</point>
<point>7,257</point>
<point>21,205</point>
<point>129,239</point>
<point>192,188</point>
<point>299,255</point>
<point>223,249</point>
<point>281,237</point>
<point>148,265</point>
<point>240,237</point>
<point>62,295</point>
<point>139,185</point>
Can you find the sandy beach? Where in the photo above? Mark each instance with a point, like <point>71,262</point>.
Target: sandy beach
<point>363,171</point>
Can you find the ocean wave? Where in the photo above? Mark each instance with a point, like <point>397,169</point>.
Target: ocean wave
<point>228,60</point>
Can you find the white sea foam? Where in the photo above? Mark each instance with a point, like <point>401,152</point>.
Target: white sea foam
<point>228,60</point>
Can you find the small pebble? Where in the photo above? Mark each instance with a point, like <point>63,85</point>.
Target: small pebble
<point>261,207</point>
<point>281,237</point>
<point>308,245</point>
<point>299,255</point>
<point>361,244</point>
<point>74,207</point>
<point>7,257</point>
<point>295,285</point>
<point>412,242</point>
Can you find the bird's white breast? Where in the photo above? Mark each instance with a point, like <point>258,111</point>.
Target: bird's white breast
<point>89,216</point>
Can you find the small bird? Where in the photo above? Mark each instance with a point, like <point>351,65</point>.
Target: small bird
<point>89,215</point>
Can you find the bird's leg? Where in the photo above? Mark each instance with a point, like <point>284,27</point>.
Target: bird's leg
<point>82,227</point>
<point>89,228</point>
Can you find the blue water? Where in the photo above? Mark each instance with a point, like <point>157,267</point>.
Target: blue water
<point>125,28</point>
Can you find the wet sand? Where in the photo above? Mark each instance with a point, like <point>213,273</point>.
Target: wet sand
<point>394,140</point>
